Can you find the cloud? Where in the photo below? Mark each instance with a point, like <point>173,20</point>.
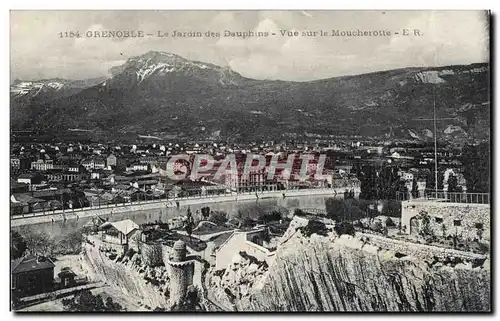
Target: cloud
<point>457,37</point>
<point>449,37</point>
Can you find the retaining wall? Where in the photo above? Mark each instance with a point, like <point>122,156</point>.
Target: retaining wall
<point>37,218</point>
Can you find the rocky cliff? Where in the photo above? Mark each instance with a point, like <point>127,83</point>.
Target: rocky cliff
<point>148,284</point>
<point>331,273</point>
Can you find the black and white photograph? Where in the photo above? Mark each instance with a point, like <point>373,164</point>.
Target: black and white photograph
<point>250,161</point>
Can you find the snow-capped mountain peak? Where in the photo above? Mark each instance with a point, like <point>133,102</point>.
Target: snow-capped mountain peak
<point>163,63</point>
<point>23,88</point>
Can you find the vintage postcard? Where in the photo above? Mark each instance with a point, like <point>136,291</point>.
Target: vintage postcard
<point>244,161</point>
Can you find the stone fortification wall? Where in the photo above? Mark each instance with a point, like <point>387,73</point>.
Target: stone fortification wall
<point>464,220</point>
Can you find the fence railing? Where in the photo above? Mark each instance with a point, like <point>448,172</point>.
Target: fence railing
<point>447,197</point>
<point>168,201</point>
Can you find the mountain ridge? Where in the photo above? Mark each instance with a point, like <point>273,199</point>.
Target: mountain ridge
<point>167,95</point>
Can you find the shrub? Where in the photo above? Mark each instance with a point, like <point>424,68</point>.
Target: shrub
<point>377,227</point>
<point>299,212</point>
<point>314,226</point>
<point>483,247</point>
<point>272,217</point>
<point>244,219</point>
<point>130,253</point>
<point>389,222</point>
<point>425,223</point>
<point>191,302</point>
<point>218,217</point>
<point>359,224</point>
<point>17,245</point>
<point>87,302</point>
<point>344,228</point>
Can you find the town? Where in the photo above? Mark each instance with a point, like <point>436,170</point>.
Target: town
<point>141,209</point>
<point>69,176</point>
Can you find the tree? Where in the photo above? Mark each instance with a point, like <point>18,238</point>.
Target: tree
<point>17,245</point>
<point>37,242</point>
<point>414,188</point>
<point>243,218</point>
<point>425,225</point>
<point>343,210</point>
<point>334,208</point>
<point>72,243</point>
<point>367,178</point>
<point>189,215</point>
<point>247,215</point>
<point>205,212</point>
<point>453,184</point>
<point>402,188</point>
<point>380,183</point>
<point>476,160</point>
<point>189,223</point>
<point>85,301</point>
<point>430,184</point>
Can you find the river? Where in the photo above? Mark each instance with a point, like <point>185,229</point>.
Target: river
<point>59,229</point>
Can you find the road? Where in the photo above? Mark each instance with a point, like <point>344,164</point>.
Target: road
<point>76,214</point>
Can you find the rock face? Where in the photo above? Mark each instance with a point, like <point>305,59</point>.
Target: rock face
<point>150,285</point>
<point>235,283</point>
<point>320,273</point>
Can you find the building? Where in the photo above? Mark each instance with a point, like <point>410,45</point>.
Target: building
<point>406,176</point>
<point>146,184</point>
<point>32,275</point>
<point>252,182</point>
<point>22,203</point>
<point>94,163</point>
<point>336,180</point>
<point>65,176</point>
<point>122,232</point>
<point>15,163</point>
<point>16,187</point>
<point>372,149</point>
<point>448,216</point>
<point>343,169</point>
<point>42,165</point>
<point>95,174</point>
<point>251,242</point>
<point>32,180</point>
<point>67,277</point>
<point>138,167</point>
<point>111,160</point>
<point>75,168</point>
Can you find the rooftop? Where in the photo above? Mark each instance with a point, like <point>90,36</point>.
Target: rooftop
<point>31,262</point>
<point>125,226</point>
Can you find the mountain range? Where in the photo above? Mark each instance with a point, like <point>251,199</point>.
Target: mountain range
<point>164,95</point>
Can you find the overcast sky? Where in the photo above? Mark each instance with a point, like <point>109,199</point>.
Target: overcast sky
<point>449,37</point>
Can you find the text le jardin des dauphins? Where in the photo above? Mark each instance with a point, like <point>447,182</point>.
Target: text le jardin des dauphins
<point>98,34</point>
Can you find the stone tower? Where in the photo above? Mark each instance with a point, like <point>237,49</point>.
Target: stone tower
<point>181,272</point>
